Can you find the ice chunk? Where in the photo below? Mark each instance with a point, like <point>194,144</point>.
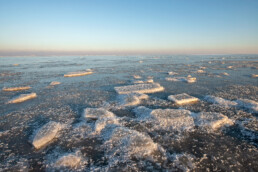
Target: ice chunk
<point>15,64</point>
<point>69,160</point>
<point>182,98</point>
<point>247,104</point>
<point>188,79</point>
<point>211,120</point>
<point>16,88</point>
<point>79,73</point>
<point>95,113</point>
<point>225,74</point>
<point>220,101</point>
<point>254,75</point>
<point>138,82</point>
<point>139,88</point>
<point>54,83</point>
<point>132,99</point>
<point>140,61</point>
<point>46,134</point>
<point>168,119</point>
<point>200,71</point>
<point>23,97</point>
<point>172,73</point>
<point>137,77</point>
<point>124,144</point>
<point>230,67</point>
<point>184,161</point>
<point>142,82</point>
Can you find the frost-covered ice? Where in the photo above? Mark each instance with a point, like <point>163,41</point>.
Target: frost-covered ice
<point>182,98</point>
<point>254,75</point>
<point>142,82</point>
<point>200,71</point>
<point>125,144</point>
<point>131,99</point>
<point>46,134</point>
<point>23,97</point>
<point>95,113</point>
<point>247,104</point>
<point>54,83</point>
<point>79,73</point>
<point>168,119</point>
<point>219,101</point>
<point>70,160</point>
<point>139,88</point>
<point>184,162</point>
<point>225,74</point>
<point>211,120</point>
<point>103,122</point>
<point>16,88</point>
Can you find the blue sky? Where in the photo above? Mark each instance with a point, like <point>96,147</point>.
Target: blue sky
<point>129,26</point>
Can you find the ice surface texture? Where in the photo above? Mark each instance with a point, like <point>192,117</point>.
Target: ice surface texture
<point>46,134</point>
<point>131,99</point>
<point>139,88</point>
<point>23,97</point>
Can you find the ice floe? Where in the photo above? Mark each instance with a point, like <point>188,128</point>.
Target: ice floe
<point>211,120</point>
<point>69,160</point>
<point>23,97</point>
<point>200,71</point>
<point>225,74</point>
<point>182,98</point>
<point>188,79</point>
<point>16,88</point>
<point>137,77</point>
<point>167,119</point>
<point>54,83</point>
<point>79,73</point>
<point>172,73</point>
<point>131,99</point>
<point>46,134</point>
<point>139,88</point>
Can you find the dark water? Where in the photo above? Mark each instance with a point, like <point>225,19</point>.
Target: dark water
<point>231,148</point>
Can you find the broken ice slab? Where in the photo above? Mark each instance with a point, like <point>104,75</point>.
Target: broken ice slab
<point>172,73</point>
<point>95,113</point>
<point>200,71</point>
<point>211,120</point>
<point>225,74</point>
<point>46,134</point>
<point>23,97</point>
<point>137,76</point>
<point>104,122</point>
<point>142,82</point>
<point>247,104</point>
<point>182,99</point>
<point>79,73</point>
<point>166,119</point>
<point>188,79</point>
<point>54,83</point>
<point>131,99</point>
<point>16,88</point>
<point>123,143</point>
<point>220,101</point>
<point>69,160</point>
<point>254,75</point>
<point>139,88</point>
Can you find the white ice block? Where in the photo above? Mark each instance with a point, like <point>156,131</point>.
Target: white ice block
<point>212,120</point>
<point>182,99</point>
<point>54,83</point>
<point>79,73</point>
<point>131,99</point>
<point>16,88</point>
<point>220,101</point>
<point>46,134</point>
<point>139,88</point>
<point>69,160</point>
<point>23,97</point>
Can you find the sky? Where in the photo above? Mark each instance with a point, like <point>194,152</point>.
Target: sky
<point>70,27</point>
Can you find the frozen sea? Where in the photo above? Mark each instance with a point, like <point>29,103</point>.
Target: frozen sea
<point>150,133</point>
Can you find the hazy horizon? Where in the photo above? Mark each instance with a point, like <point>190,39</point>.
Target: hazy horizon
<point>128,27</point>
